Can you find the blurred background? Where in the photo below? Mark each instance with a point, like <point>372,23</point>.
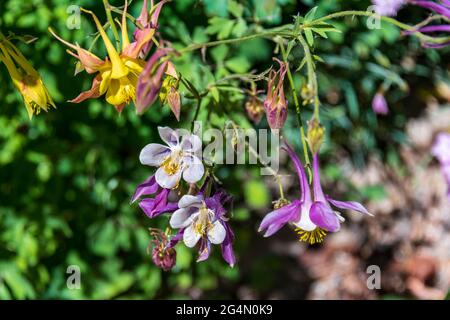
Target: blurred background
<point>66,177</point>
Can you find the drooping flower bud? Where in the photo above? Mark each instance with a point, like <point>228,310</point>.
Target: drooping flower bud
<point>307,94</point>
<point>379,104</point>
<point>25,78</point>
<point>169,95</point>
<point>316,134</point>
<point>255,108</point>
<point>276,103</point>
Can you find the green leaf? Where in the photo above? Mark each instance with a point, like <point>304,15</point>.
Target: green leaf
<point>309,37</point>
<point>235,8</point>
<point>238,64</point>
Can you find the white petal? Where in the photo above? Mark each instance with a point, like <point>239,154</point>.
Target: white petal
<point>191,143</point>
<point>180,219</point>
<point>154,154</point>
<point>167,181</point>
<point>190,237</point>
<point>217,233</point>
<point>169,136</point>
<point>189,200</point>
<point>305,222</point>
<point>193,169</point>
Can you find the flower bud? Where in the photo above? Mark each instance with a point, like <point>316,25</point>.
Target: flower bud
<point>276,105</point>
<point>254,108</point>
<point>315,135</point>
<point>169,94</point>
<point>379,104</point>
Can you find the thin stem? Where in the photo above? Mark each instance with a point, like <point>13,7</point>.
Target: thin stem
<point>111,23</point>
<point>312,77</point>
<point>197,111</point>
<point>264,34</point>
<point>297,110</point>
<point>390,20</point>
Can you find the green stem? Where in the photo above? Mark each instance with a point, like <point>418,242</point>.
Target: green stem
<point>111,23</point>
<point>390,20</point>
<point>312,77</point>
<point>297,108</point>
<point>197,111</point>
<point>264,34</point>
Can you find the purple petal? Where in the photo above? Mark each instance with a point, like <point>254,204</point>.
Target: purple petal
<point>276,219</point>
<point>428,29</point>
<point>204,250</point>
<point>436,46</point>
<point>438,8</point>
<point>317,187</point>
<point>149,186</point>
<point>176,238</point>
<point>304,185</point>
<point>322,216</point>
<point>227,245</point>
<point>154,207</point>
<point>349,205</point>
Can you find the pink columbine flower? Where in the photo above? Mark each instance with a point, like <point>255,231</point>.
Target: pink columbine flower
<point>178,159</point>
<point>312,214</point>
<point>202,221</point>
<point>276,103</point>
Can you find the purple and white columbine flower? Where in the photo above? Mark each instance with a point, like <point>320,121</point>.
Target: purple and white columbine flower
<point>157,205</point>
<point>388,7</point>
<point>312,214</point>
<point>203,221</point>
<point>176,160</point>
<point>441,150</point>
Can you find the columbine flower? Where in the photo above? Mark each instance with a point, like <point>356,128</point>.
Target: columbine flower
<point>157,205</point>
<point>176,160</point>
<point>25,78</point>
<point>276,103</point>
<point>441,150</point>
<point>379,104</point>
<point>147,23</point>
<point>202,221</point>
<point>388,7</point>
<point>117,75</point>
<point>163,254</point>
<point>312,214</point>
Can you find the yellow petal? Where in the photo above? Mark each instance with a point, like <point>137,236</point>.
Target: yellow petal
<point>118,68</point>
<point>125,39</point>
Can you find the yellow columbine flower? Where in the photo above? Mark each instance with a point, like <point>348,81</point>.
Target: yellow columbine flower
<point>25,78</point>
<point>118,73</point>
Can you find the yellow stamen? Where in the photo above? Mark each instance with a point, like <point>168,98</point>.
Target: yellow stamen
<point>315,236</point>
<point>203,223</point>
<point>172,163</point>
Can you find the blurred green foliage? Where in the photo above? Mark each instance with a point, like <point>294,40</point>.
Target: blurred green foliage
<point>66,177</point>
